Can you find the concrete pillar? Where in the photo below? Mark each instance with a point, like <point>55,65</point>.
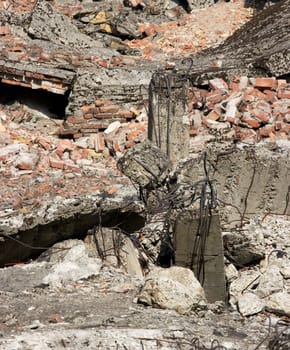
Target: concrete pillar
<point>168,115</point>
<point>201,251</point>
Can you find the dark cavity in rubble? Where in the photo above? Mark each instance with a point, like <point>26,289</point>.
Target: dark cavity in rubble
<point>29,244</point>
<point>50,104</point>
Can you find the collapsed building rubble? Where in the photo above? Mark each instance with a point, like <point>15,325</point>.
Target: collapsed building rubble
<point>231,94</point>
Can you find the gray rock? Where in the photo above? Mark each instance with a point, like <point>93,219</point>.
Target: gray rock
<point>174,288</point>
<point>243,248</point>
<point>57,28</point>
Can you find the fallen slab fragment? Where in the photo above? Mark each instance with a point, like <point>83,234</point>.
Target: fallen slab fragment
<point>257,48</point>
<point>174,288</point>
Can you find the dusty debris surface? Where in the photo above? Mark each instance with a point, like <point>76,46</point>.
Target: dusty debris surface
<point>75,96</point>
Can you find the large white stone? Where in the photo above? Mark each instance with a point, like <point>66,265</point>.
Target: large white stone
<point>250,304</point>
<point>174,288</point>
<point>279,301</point>
<point>271,281</point>
<point>112,127</point>
<point>247,280</point>
<point>73,264</point>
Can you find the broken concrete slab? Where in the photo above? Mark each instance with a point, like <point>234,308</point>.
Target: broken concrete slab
<point>57,28</point>
<point>252,49</point>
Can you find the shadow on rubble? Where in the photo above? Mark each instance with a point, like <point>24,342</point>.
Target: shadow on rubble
<point>35,101</point>
<point>259,5</point>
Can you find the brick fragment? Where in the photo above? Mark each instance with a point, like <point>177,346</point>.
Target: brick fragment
<point>250,122</point>
<point>64,145</point>
<point>214,114</point>
<point>215,96</point>
<point>266,83</point>
<point>266,130</point>
<point>56,163</point>
<point>271,96</point>
<point>100,103</point>
<point>125,114</point>
<point>284,93</point>
<point>133,134</point>
<point>44,143</point>
<point>109,109</point>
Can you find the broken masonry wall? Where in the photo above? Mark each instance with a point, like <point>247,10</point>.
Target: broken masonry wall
<point>38,76</point>
<point>102,96</point>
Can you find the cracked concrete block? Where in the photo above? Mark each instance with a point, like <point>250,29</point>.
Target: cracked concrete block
<point>146,165</point>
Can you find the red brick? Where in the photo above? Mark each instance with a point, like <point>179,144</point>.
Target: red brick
<point>109,109</point>
<point>266,83</point>
<point>103,63</point>
<point>130,144</point>
<point>64,145</point>
<point>125,114</point>
<point>104,115</point>
<point>133,134</point>
<point>271,96</point>
<point>75,120</point>
<point>14,82</point>
<point>261,115</point>
<point>283,93</point>
<point>56,163</point>
<point>244,134</point>
<point>100,103</point>
<point>251,122</point>
<point>4,30</point>
<point>194,131</point>
<point>72,167</point>
<point>66,132</point>
<point>266,130</point>
<point>44,143</point>
<point>281,83</point>
<point>87,108</point>
<point>278,125</point>
<point>258,93</point>
<point>216,96</point>
<point>213,115</point>
<point>99,143</point>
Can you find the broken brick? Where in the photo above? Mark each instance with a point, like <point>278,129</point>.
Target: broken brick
<point>266,83</point>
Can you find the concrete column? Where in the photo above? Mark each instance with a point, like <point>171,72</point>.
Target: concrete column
<point>194,247</point>
<point>168,115</point>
